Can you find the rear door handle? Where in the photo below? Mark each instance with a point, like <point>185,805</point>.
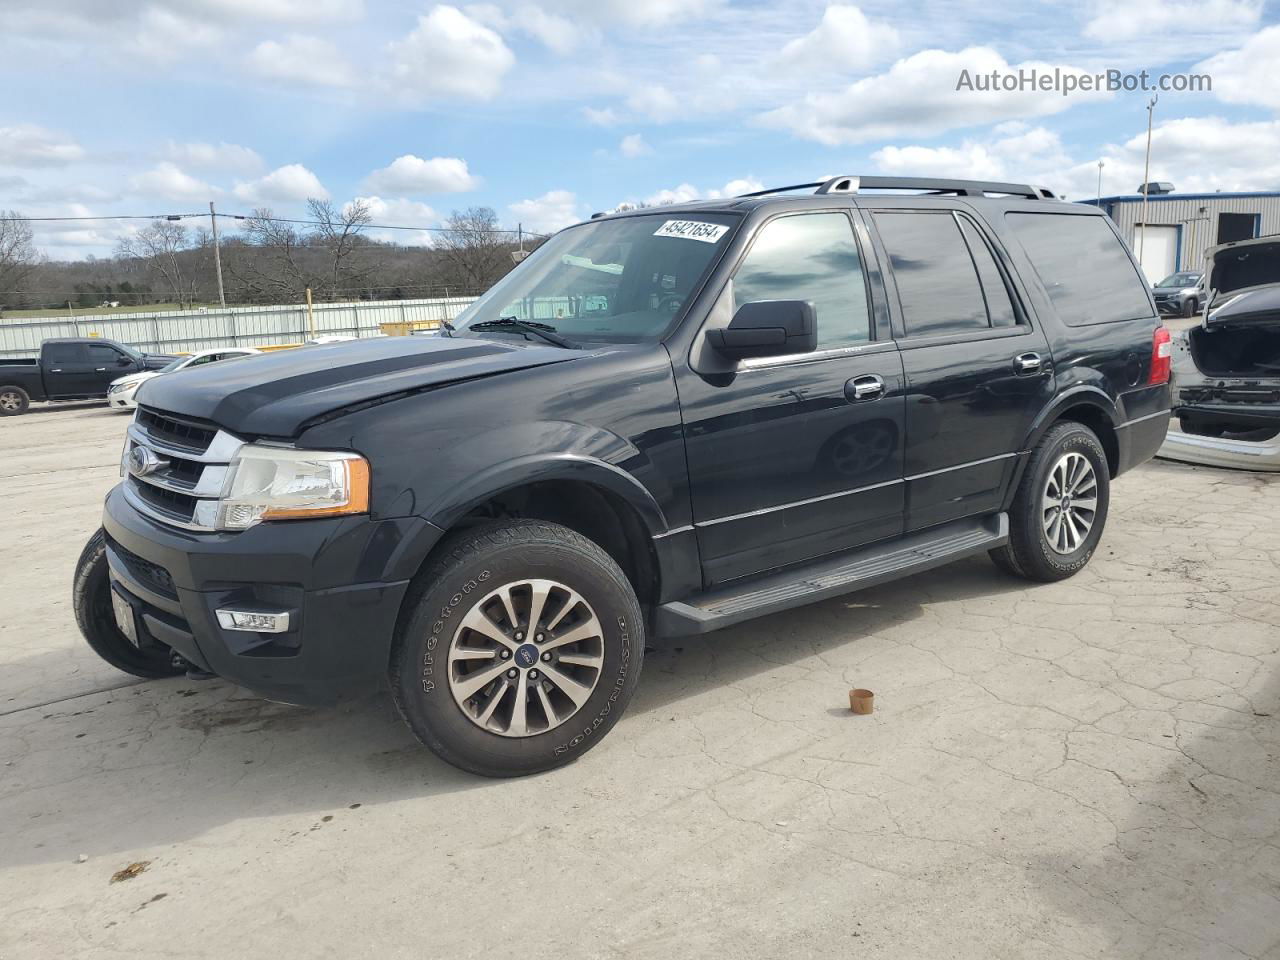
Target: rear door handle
<point>100,370</point>
<point>859,389</point>
<point>1027,363</point>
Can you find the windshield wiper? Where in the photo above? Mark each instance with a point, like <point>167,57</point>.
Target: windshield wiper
<point>447,327</point>
<point>543,330</point>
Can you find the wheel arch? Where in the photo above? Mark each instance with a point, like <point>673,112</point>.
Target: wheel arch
<point>1090,407</point>
<point>599,500</point>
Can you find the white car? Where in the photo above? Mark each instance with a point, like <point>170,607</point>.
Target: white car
<point>122,393</point>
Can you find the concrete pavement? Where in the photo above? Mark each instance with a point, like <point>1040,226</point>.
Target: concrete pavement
<point>1089,769</point>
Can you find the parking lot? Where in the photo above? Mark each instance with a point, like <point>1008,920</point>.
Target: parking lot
<point>1086,769</point>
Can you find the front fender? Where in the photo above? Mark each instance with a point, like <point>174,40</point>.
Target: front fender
<point>516,455</point>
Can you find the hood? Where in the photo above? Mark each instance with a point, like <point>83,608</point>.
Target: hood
<point>154,361</point>
<point>134,378</point>
<point>1242,265</point>
<point>280,391</point>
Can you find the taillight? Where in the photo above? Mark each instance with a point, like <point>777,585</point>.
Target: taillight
<point>1161,356</point>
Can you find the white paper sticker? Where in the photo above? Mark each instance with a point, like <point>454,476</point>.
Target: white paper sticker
<point>692,230</point>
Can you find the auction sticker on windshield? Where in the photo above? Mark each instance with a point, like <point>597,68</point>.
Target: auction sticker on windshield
<point>692,230</point>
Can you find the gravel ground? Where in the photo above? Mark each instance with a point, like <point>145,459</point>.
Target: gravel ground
<point>1088,769</point>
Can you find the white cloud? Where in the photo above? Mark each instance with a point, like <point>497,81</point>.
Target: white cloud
<point>166,37</point>
<point>687,192</point>
<point>413,175</point>
<point>1013,154</point>
<point>633,145</point>
<point>549,212</point>
<point>1197,154</point>
<point>400,213</point>
<point>558,34</point>
<point>656,102</point>
<point>301,59</point>
<point>1247,75</point>
<point>1150,18</point>
<point>918,96</point>
<point>637,13</point>
<point>844,41</point>
<point>167,181</point>
<point>605,117</point>
<point>448,55</point>
<point>27,145</point>
<point>288,184</point>
<point>285,11</point>
<point>218,157</point>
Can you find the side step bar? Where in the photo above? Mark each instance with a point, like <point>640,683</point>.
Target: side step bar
<point>831,576</point>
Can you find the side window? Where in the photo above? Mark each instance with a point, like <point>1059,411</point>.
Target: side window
<point>207,358</point>
<point>810,257</point>
<point>1084,267</point>
<point>61,353</point>
<point>999,303</point>
<point>937,283</point>
<point>102,355</point>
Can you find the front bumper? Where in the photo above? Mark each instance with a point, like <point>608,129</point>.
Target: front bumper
<point>342,580</point>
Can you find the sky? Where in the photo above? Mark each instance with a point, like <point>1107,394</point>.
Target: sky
<point>550,110</point>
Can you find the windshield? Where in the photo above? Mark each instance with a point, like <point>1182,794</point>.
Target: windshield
<point>170,367</point>
<point>1180,280</point>
<point>621,281</point>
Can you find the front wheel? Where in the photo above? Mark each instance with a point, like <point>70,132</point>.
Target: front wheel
<point>91,598</point>
<point>1190,308</point>
<point>1060,507</point>
<point>518,649</point>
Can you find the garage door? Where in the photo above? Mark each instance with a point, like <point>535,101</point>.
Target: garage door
<point>1157,251</point>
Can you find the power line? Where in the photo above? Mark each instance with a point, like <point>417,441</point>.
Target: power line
<point>242,217</point>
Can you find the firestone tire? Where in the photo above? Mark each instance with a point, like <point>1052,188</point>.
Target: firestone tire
<point>492,571</point>
<point>14,401</point>
<point>1029,553</point>
<point>91,598</point>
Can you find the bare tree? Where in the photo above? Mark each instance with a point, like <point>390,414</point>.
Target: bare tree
<point>18,254</point>
<point>338,234</point>
<point>269,266</point>
<point>159,245</point>
<point>476,251</point>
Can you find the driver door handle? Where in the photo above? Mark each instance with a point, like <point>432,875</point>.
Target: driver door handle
<point>100,370</point>
<point>861,389</point>
<point>1027,363</point>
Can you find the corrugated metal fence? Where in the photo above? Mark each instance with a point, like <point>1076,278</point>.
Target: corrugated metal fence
<point>185,331</point>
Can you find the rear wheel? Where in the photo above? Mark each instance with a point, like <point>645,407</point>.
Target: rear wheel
<point>13,401</point>
<point>518,649</point>
<point>91,598</point>
<point>1060,508</point>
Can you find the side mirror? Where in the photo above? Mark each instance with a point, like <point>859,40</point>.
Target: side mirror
<point>768,328</point>
<point>123,362</point>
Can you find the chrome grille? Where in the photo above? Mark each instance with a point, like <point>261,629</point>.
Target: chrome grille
<point>175,468</point>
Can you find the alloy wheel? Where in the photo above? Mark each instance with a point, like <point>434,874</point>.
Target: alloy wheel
<point>525,658</point>
<point>1070,502</point>
<point>10,401</point>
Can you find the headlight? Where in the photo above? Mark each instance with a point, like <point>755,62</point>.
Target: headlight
<point>280,483</point>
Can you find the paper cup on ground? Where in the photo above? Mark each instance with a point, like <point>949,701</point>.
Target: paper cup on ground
<point>861,701</point>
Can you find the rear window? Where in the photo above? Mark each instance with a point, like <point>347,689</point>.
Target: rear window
<point>1083,266</point>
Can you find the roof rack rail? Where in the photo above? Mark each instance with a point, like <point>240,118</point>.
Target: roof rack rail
<point>963,188</point>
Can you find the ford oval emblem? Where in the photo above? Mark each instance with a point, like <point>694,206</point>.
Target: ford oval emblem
<point>143,461</point>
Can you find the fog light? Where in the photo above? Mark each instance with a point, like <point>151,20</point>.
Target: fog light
<point>254,621</point>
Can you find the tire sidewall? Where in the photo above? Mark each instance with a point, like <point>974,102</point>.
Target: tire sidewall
<point>423,690</point>
<point>91,599</point>
<point>1075,440</point>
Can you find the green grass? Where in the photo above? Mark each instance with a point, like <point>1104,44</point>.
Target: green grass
<point>92,311</point>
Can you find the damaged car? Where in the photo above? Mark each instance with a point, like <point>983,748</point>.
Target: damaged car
<point>1227,368</point>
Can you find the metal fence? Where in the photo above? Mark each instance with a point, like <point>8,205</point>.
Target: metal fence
<point>185,331</point>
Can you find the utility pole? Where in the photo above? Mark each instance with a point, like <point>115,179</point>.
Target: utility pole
<point>217,255</point>
<point>1146,180</point>
<point>1100,165</point>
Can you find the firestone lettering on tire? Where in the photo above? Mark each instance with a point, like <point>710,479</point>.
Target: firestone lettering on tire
<point>429,657</point>
<point>618,683</point>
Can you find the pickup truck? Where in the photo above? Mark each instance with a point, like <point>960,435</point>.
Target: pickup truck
<point>70,369</point>
<point>661,423</point>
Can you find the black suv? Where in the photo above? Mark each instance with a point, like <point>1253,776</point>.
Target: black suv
<point>663,422</point>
